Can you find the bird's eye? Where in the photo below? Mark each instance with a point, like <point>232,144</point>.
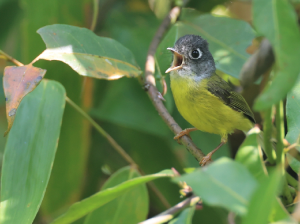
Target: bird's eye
<point>196,54</point>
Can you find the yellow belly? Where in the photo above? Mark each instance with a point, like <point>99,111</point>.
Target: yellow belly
<point>204,110</point>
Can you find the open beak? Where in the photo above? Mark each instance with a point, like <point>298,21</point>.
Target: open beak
<point>177,61</point>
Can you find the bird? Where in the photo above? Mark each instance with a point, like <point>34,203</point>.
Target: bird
<point>202,97</point>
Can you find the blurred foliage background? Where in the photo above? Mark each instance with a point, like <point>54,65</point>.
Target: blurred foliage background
<point>84,159</point>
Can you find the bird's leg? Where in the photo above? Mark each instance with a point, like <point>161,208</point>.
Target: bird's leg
<point>207,158</point>
<point>185,132</point>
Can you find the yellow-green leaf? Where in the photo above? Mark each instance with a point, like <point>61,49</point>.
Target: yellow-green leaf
<point>87,53</point>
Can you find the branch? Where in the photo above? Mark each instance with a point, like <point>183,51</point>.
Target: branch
<point>153,93</point>
<point>170,213</point>
<point>259,63</point>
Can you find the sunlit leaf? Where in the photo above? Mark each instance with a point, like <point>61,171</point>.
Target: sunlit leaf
<point>130,208</point>
<point>293,122</point>
<point>228,40</point>
<point>17,83</point>
<point>278,22</point>
<point>29,153</point>
<point>93,202</point>
<point>224,183</point>
<point>87,53</point>
<point>69,169</point>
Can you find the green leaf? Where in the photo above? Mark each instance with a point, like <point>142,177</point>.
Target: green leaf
<point>89,204</point>
<point>251,157</point>
<point>87,53</point>
<point>293,121</point>
<point>224,183</point>
<point>30,151</point>
<point>69,169</point>
<point>209,214</point>
<point>228,39</point>
<point>277,21</point>
<point>134,141</point>
<point>133,29</point>
<point>279,213</point>
<point>133,109</point>
<point>264,200</point>
<point>131,207</point>
<point>185,217</point>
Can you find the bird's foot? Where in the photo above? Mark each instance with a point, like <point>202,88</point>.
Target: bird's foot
<point>206,159</point>
<point>184,132</point>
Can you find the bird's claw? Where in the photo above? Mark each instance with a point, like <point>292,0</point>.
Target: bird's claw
<point>205,159</point>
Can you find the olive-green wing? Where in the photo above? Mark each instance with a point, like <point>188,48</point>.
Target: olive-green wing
<point>217,86</point>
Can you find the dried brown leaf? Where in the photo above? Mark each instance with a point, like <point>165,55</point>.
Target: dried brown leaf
<point>17,83</point>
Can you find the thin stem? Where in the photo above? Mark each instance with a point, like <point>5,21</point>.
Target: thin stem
<point>157,192</point>
<point>170,213</point>
<point>279,119</point>
<point>280,134</point>
<point>268,127</point>
<point>152,91</point>
<point>119,149</point>
<point>113,143</point>
<point>11,59</point>
<point>95,14</point>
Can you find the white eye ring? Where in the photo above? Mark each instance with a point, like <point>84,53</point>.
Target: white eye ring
<point>195,54</point>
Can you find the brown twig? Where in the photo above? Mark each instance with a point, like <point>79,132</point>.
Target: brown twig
<point>11,59</point>
<point>153,92</point>
<point>170,213</point>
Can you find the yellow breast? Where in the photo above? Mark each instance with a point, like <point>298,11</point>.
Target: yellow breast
<point>204,110</point>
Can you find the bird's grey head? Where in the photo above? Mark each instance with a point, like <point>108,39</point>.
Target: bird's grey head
<point>192,57</point>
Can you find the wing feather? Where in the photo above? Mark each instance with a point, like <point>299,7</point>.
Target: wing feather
<point>217,86</point>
